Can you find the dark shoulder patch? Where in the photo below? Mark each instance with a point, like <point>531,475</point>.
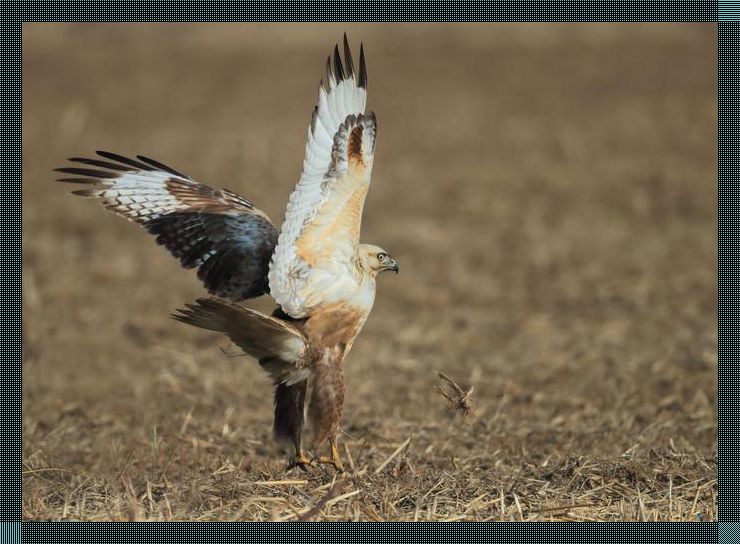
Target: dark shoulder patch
<point>232,252</point>
<point>354,149</point>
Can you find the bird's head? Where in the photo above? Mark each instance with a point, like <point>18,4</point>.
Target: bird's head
<point>376,260</point>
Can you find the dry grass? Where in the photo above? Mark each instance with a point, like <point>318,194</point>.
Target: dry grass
<point>550,192</point>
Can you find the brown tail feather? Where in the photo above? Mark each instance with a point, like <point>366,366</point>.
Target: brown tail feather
<point>278,345</point>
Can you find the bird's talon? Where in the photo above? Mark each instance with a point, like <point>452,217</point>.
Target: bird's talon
<point>329,461</point>
<point>301,462</point>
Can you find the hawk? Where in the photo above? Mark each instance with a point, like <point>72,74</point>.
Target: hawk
<point>315,268</point>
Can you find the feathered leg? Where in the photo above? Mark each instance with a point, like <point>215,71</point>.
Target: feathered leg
<point>289,408</point>
<point>325,407</point>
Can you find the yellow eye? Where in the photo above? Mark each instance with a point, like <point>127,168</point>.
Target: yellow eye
<point>381,257</point>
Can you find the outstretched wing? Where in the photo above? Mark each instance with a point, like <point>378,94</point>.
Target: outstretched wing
<point>216,230</point>
<point>315,259</point>
<point>279,345</point>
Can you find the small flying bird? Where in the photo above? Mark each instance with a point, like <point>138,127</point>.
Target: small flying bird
<point>315,268</point>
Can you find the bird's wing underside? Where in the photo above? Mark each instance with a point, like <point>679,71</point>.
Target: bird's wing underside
<point>219,232</point>
<point>263,337</point>
<point>317,248</point>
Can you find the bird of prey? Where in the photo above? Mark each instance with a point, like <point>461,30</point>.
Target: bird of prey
<point>315,268</point>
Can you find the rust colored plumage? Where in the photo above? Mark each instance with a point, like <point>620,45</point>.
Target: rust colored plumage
<point>334,324</point>
<point>315,268</point>
<point>326,398</point>
<point>354,149</point>
<point>316,405</point>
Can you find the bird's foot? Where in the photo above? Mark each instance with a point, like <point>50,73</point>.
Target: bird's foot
<point>300,461</point>
<point>333,460</point>
<point>336,463</point>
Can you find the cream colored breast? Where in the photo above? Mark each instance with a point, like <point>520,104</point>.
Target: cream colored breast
<point>365,295</point>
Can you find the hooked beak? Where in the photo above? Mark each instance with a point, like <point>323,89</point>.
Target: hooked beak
<point>393,265</point>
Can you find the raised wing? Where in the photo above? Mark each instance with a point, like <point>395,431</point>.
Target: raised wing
<point>216,230</point>
<point>278,345</point>
<point>315,259</point>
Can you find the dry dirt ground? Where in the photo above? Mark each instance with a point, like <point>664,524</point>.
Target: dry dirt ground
<point>550,193</point>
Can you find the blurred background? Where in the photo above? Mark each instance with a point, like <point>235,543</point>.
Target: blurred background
<point>549,190</point>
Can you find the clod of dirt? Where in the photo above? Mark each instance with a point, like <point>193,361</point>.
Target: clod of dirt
<point>460,401</point>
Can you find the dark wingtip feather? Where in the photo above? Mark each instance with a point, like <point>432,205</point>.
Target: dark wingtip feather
<point>338,64</point>
<point>85,192</point>
<point>363,68</point>
<point>329,75</point>
<point>87,172</point>
<point>100,164</point>
<point>159,166</point>
<point>314,116</point>
<point>124,160</point>
<point>348,58</point>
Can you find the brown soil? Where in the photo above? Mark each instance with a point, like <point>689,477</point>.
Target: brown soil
<point>550,193</point>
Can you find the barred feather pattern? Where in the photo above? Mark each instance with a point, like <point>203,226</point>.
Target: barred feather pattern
<point>354,140</point>
<point>216,230</point>
<point>232,252</point>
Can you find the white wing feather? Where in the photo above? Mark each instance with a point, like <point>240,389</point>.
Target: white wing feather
<point>343,95</point>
